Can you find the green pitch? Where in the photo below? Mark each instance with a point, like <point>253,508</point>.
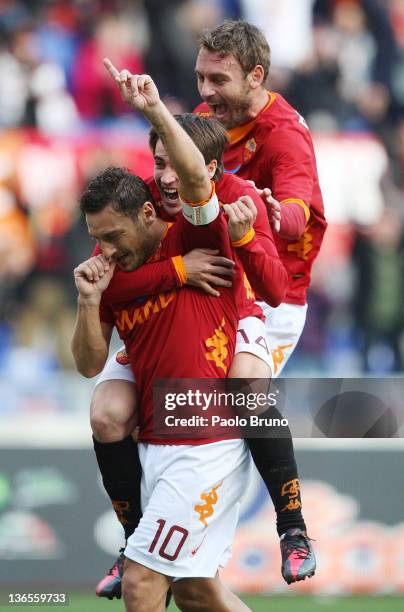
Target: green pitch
<point>80,602</point>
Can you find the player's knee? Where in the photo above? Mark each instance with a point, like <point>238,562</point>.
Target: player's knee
<point>246,365</point>
<point>102,427</point>
<point>113,410</point>
<point>141,587</point>
<point>133,587</point>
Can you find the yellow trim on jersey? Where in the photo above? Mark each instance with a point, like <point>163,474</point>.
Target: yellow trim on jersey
<point>169,225</point>
<point>245,239</point>
<point>300,203</point>
<point>237,133</point>
<point>212,193</point>
<point>180,268</point>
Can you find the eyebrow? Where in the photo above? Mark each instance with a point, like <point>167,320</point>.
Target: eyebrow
<point>108,235</point>
<point>213,75</point>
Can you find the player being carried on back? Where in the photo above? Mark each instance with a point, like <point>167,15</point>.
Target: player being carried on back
<point>270,143</point>
<point>120,214</point>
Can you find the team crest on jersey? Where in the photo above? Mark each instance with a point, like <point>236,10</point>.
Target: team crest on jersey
<point>249,149</point>
<point>122,357</point>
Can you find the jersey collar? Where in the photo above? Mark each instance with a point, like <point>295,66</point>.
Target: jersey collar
<point>238,133</point>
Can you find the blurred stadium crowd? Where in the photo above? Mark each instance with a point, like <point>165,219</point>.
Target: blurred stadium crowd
<point>339,62</point>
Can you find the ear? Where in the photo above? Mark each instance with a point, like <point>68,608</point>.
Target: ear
<point>148,213</point>
<point>211,167</point>
<point>256,77</point>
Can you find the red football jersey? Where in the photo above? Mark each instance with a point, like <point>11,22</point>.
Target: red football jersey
<point>178,334</point>
<point>258,258</point>
<point>275,150</point>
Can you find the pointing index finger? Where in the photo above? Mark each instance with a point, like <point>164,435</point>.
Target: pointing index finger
<point>111,68</point>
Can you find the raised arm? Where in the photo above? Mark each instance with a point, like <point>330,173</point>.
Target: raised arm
<point>140,92</point>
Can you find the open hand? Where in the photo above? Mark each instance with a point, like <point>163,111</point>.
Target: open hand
<point>272,205</point>
<point>205,267</point>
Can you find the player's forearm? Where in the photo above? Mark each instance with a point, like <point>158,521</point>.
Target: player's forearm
<point>184,155</point>
<point>265,272</point>
<point>89,347</point>
<point>149,279</point>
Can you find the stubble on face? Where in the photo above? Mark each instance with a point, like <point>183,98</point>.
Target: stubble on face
<point>224,87</point>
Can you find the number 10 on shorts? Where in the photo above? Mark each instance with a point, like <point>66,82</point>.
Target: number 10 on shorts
<point>168,536</point>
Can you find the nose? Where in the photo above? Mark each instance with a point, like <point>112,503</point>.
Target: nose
<point>108,249</point>
<point>206,90</point>
<point>168,177</point>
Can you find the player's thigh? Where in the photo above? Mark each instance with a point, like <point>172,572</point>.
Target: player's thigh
<point>284,326</point>
<point>190,498</point>
<point>114,399</point>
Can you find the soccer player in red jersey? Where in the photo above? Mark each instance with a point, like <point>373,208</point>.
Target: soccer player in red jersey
<point>121,216</point>
<point>112,414</point>
<point>270,144</point>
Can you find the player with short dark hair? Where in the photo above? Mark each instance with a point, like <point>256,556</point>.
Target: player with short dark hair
<point>112,412</point>
<point>170,490</point>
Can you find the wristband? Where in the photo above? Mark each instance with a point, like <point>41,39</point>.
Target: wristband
<point>201,215</point>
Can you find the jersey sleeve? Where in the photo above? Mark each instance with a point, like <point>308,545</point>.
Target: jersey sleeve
<point>290,157</point>
<point>294,219</point>
<point>260,258</point>
<point>149,279</point>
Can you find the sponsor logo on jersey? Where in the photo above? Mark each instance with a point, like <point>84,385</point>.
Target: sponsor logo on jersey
<point>205,114</point>
<point>206,510</point>
<point>218,343</point>
<point>126,319</point>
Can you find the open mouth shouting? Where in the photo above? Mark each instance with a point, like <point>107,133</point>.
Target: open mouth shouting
<point>219,110</point>
<point>171,195</point>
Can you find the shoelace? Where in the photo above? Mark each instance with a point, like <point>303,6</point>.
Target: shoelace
<point>302,550</point>
<point>116,564</point>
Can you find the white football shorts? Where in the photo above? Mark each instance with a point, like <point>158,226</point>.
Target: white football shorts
<point>284,326</point>
<point>190,499</point>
